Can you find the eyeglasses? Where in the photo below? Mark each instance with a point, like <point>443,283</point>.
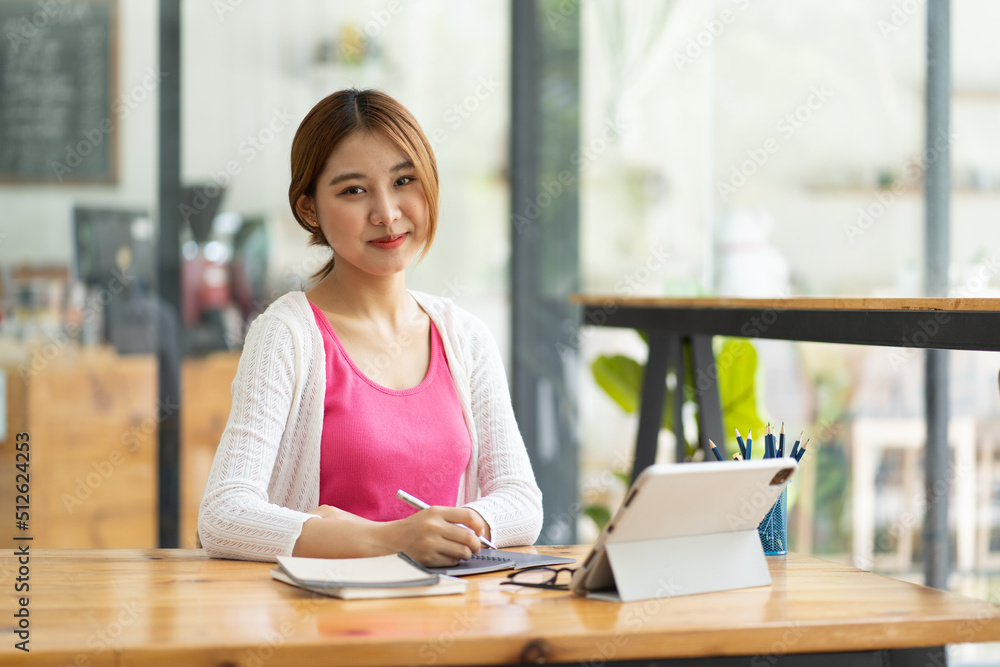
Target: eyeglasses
<point>541,577</point>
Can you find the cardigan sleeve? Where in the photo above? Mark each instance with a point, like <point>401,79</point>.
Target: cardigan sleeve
<point>236,518</point>
<point>510,501</point>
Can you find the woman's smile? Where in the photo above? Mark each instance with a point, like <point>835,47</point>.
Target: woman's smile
<point>389,242</point>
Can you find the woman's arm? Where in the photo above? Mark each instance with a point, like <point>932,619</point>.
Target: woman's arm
<point>511,501</point>
<point>431,536</point>
<point>237,518</point>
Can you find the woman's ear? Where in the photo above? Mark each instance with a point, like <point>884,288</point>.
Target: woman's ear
<point>304,207</point>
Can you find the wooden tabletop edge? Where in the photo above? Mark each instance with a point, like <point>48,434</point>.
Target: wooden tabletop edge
<point>956,304</point>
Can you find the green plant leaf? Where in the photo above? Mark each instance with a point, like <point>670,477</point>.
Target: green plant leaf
<point>737,365</point>
<point>599,514</point>
<point>621,378</point>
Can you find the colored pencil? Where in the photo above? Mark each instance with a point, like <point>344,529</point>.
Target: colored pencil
<point>715,450</point>
<point>739,441</point>
<point>795,447</point>
<point>802,449</point>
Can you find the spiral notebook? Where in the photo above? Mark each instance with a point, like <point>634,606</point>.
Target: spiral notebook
<point>491,560</point>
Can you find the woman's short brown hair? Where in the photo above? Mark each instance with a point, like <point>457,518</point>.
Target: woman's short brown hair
<point>335,118</point>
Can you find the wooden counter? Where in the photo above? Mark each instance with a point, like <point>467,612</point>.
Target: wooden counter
<point>92,416</point>
<point>176,607</point>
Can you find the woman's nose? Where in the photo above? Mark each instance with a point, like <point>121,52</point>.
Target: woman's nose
<point>385,209</point>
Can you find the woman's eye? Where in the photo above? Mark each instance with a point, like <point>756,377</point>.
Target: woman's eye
<point>404,180</point>
<point>353,190</point>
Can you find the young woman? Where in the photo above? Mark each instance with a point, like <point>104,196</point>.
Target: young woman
<point>359,387</point>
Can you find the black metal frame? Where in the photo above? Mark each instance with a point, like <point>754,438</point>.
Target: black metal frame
<point>668,326</point>
<point>910,657</point>
<point>168,278</point>
<point>938,329</point>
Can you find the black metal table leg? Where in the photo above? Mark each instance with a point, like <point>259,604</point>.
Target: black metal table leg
<point>707,389</point>
<point>654,388</point>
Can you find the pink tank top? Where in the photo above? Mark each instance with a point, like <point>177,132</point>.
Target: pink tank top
<point>377,440</point>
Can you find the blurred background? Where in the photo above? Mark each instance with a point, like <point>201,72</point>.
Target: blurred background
<point>733,148</point>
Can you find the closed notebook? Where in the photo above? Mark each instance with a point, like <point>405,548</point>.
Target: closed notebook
<point>491,560</point>
<point>444,586</point>
<point>392,571</point>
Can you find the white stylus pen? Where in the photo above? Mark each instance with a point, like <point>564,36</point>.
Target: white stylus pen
<point>421,505</point>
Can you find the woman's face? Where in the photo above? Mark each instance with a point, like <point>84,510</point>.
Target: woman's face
<point>369,205</point>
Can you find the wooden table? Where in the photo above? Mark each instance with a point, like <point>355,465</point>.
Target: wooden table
<point>176,607</point>
<point>937,323</point>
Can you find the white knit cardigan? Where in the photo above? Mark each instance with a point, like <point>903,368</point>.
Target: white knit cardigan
<point>265,475</point>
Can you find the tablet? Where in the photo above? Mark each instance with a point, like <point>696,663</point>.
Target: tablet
<point>686,528</point>
<point>491,560</point>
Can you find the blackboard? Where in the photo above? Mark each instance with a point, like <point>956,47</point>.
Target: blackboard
<point>57,80</point>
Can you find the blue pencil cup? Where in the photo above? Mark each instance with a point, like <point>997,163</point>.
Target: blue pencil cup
<point>773,529</point>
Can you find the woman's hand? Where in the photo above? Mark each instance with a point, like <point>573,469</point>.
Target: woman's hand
<point>433,537</point>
